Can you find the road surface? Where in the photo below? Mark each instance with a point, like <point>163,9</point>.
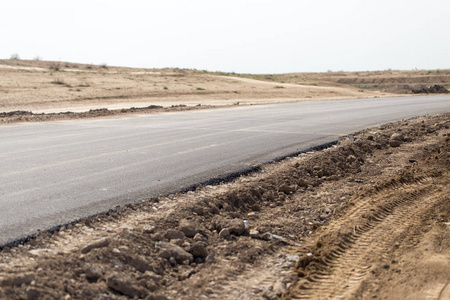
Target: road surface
<point>54,173</point>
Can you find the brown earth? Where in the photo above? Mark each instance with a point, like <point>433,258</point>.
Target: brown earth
<point>365,218</point>
<point>40,86</point>
<point>35,91</point>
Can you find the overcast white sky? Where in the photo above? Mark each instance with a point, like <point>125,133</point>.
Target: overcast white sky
<point>245,36</point>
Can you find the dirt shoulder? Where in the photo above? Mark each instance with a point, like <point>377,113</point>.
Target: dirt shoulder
<point>366,217</point>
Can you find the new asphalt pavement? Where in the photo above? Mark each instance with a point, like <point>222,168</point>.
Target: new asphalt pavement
<point>53,173</point>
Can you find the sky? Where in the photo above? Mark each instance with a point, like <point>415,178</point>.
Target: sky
<point>245,36</point>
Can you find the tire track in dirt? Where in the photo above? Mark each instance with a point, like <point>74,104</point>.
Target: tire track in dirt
<point>374,225</point>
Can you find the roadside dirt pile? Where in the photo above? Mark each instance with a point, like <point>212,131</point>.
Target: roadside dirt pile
<point>435,89</point>
<point>243,239</point>
<point>28,116</point>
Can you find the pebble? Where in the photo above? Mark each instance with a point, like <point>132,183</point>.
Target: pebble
<point>149,229</point>
<point>188,228</point>
<point>225,233</point>
<point>124,248</point>
<point>293,258</point>
<point>125,286</point>
<point>103,242</point>
<point>254,233</point>
<point>172,234</point>
<point>236,226</point>
<point>39,252</point>
<point>168,250</point>
<point>198,249</point>
<point>267,236</point>
<point>94,272</point>
<point>200,237</point>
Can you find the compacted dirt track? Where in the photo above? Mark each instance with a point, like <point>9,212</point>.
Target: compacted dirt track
<point>366,218</point>
<point>350,254</point>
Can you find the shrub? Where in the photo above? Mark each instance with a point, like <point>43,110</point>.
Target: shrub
<point>58,81</point>
<point>55,66</point>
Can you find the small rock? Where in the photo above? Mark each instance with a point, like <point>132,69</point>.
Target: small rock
<point>125,285</point>
<point>39,252</point>
<point>254,233</point>
<point>157,236</point>
<point>178,242</point>
<point>188,228</point>
<point>172,261</point>
<point>150,275</point>
<point>287,189</point>
<point>293,258</point>
<point>199,250</point>
<point>397,136</point>
<point>149,229</point>
<point>124,248</point>
<point>277,237</point>
<point>174,235</point>
<point>236,226</point>
<point>395,143</point>
<point>267,236</point>
<point>225,233</point>
<point>396,139</point>
<point>210,259</point>
<point>149,285</point>
<point>126,227</point>
<point>168,250</point>
<point>351,158</point>
<point>93,272</point>
<point>200,237</point>
<point>103,242</point>
<point>140,264</point>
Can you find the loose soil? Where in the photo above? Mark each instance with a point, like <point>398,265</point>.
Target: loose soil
<point>366,218</point>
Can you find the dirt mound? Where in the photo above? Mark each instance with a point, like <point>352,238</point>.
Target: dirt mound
<point>237,239</point>
<point>28,116</point>
<point>435,89</point>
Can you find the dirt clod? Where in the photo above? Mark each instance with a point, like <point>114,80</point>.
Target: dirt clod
<point>169,250</point>
<point>103,242</point>
<point>125,285</point>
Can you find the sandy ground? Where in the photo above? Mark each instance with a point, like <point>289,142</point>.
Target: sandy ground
<point>366,218</point>
<point>52,87</point>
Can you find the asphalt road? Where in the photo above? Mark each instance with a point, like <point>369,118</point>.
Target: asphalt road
<point>53,173</point>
